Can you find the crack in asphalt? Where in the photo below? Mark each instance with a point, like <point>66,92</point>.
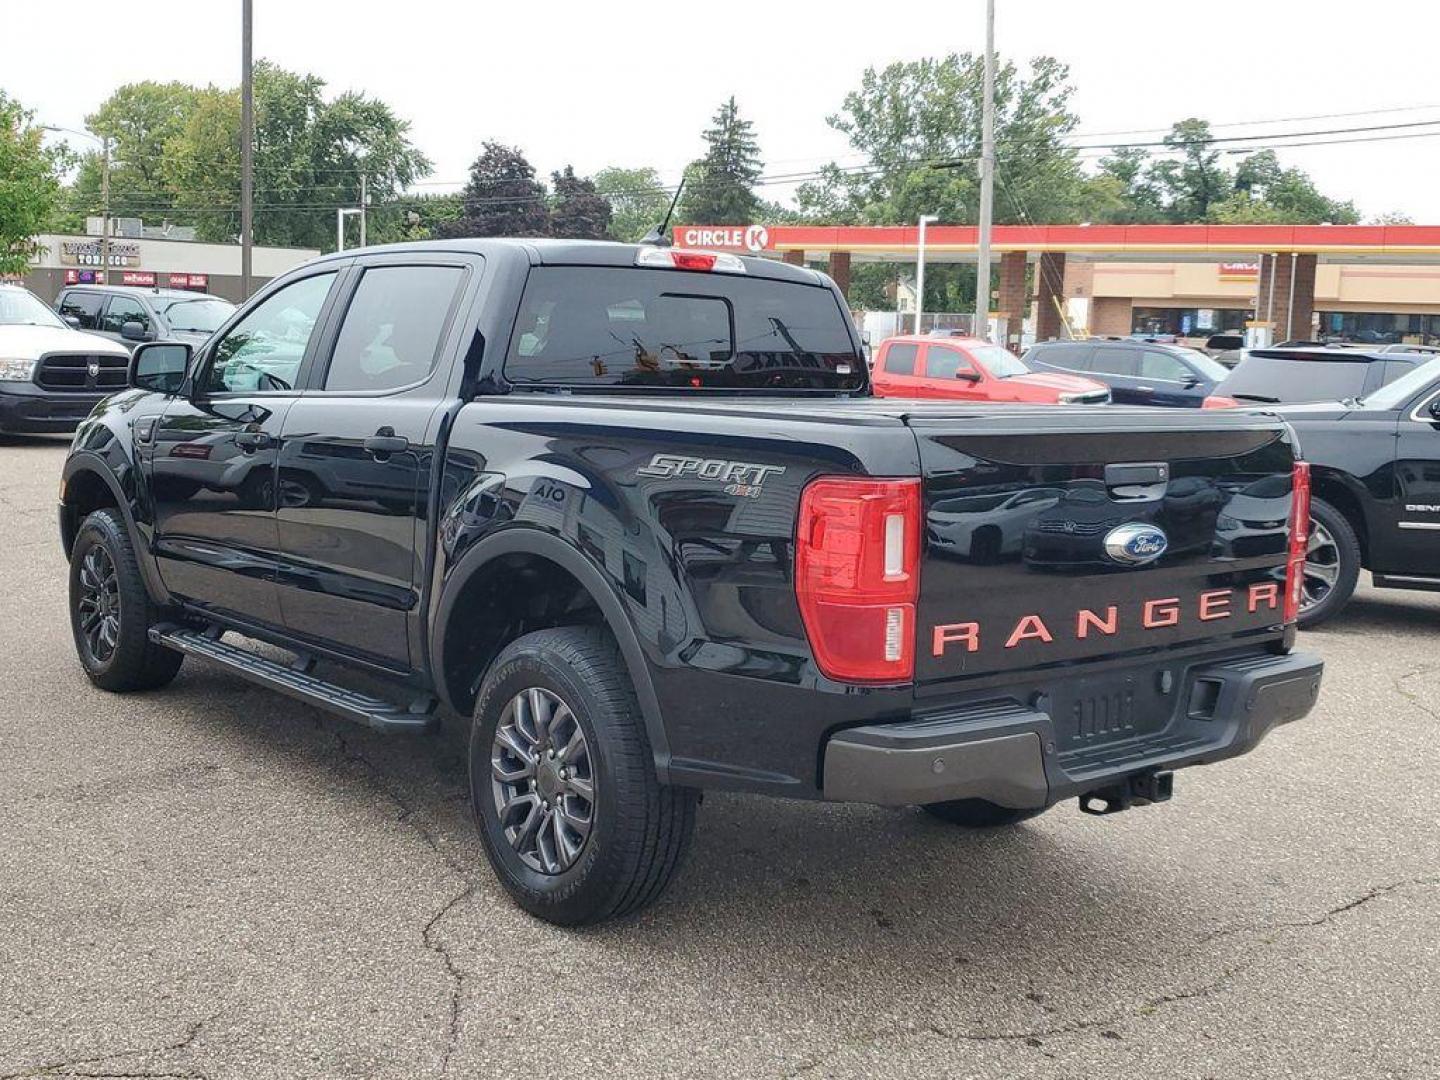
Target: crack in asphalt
<point>75,1066</point>
<point>1033,1036</point>
<point>1399,681</point>
<point>1324,917</point>
<point>407,817</point>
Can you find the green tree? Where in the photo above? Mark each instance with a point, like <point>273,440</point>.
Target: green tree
<point>917,124</point>
<point>1194,180</point>
<point>29,185</point>
<point>638,200</point>
<point>141,120</point>
<point>1264,191</point>
<point>176,156</point>
<point>720,188</point>
<point>502,197</point>
<point>579,211</point>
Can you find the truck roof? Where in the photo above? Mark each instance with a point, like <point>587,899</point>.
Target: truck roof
<point>547,251</point>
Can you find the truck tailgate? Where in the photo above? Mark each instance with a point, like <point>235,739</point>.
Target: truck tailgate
<point>1113,532</point>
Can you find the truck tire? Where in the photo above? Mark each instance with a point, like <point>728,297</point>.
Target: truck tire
<point>110,611</point>
<point>979,813</point>
<point>1332,564</point>
<point>562,781</point>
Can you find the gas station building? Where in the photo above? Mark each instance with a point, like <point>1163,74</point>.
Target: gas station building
<point>1367,283</point>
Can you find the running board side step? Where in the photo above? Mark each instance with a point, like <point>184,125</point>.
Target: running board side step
<point>298,683</point>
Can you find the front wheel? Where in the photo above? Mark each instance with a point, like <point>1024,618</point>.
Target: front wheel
<point>110,611</point>
<point>575,822</point>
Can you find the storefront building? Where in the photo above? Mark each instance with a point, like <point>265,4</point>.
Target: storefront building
<point>1366,283</point>
<point>165,264</point>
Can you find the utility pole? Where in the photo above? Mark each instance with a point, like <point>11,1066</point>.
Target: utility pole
<point>247,145</point>
<point>925,219</point>
<point>987,181</point>
<point>105,209</point>
<point>364,202</point>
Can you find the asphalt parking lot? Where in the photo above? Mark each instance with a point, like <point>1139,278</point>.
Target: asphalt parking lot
<point>213,881</point>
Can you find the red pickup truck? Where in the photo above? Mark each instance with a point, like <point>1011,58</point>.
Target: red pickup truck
<point>967,369</point>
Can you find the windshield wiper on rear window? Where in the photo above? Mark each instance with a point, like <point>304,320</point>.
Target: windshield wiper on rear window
<point>1257,397</point>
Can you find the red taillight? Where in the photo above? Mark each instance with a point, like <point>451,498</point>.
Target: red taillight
<point>857,576</point>
<point>692,260</point>
<point>1219,401</point>
<point>1299,535</point>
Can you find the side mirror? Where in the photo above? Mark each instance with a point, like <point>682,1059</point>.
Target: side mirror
<point>1435,408</point>
<point>968,375</point>
<point>159,366</point>
<point>72,321</point>
<point>133,331</point>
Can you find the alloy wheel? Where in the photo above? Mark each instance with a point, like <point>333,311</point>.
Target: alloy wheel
<point>542,780</point>
<point>1322,566</point>
<point>99,605</point>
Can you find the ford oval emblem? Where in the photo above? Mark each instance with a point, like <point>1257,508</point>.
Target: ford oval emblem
<point>1135,544</point>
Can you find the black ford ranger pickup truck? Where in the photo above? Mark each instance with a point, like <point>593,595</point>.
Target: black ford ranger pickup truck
<point>633,510</point>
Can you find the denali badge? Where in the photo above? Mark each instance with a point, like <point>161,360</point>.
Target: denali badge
<point>741,478</point>
<point>1135,543</point>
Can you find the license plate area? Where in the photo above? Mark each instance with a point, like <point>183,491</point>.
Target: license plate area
<point>1101,709</point>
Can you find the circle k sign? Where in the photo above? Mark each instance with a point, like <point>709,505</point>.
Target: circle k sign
<point>734,237</point>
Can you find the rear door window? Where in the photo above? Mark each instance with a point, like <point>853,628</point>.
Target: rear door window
<point>393,327</point>
<point>639,328</point>
<point>900,357</point>
<point>1113,361</point>
<point>1069,357</point>
<point>83,306</point>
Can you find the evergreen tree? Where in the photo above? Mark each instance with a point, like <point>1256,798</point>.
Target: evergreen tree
<point>580,212</point>
<point>720,187</point>
<point>502,198</point>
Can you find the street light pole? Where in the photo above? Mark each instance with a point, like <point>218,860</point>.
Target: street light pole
<point>105,209</point>
<point>247,147</point>
<point>925,219</point>
<point>987,181</point>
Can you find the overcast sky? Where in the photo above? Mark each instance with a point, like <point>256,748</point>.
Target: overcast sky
<point>633,83</point>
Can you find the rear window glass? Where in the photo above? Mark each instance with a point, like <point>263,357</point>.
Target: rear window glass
<point>588,325</point>
<point>1271,378</point>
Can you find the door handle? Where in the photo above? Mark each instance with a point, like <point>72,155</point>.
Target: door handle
<point>250,441</point>
<point>386,442</point>
<point>1145,389</point>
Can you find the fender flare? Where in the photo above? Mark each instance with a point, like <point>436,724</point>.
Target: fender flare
<point>531,541</point>
<point>87,461</point>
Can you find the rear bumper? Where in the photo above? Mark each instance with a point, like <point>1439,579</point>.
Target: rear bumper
<point>26,408</point>
<point>1006,753</point>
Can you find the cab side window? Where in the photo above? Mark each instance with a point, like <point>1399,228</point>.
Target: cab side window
<point>84,306</point>
<point>123,309</point>
<point>1163,366</point>
<point>264,349</point>
<point>393,327</point>
<point>900,358</point>
<point>942,362</point>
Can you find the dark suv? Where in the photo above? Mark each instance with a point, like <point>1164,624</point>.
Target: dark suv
<point>130,315</point>
<point>1137,372</point>
<point>1322,373</point>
